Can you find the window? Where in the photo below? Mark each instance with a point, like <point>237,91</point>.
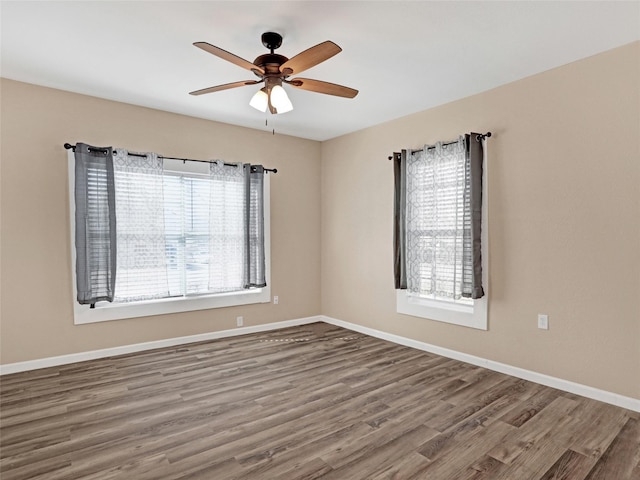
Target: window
<point>437,276</point>
<point>180,238</point>
<point>187,233</point>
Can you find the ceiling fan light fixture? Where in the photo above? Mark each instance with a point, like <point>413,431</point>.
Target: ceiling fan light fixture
<point>280,99</point>
<point>274,69</point>
<point>260,100</point>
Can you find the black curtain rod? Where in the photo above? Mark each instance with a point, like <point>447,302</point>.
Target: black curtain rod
<point>479,138</point>
<point>68,146</point>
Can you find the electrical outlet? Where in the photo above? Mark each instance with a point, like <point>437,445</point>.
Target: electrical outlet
<point>275,299</point>
<point>239,321</point>
<point>543,321</point>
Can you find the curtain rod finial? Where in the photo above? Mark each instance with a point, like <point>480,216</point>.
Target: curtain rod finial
<point>482,136</point>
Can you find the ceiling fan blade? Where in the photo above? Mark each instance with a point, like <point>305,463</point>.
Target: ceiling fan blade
<point>226,86</point>
<point>323,87</point>
<point>310,58</point>
<point>229,57</point>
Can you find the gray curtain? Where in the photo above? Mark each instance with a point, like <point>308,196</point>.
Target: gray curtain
<point>399,219</point>
<point>95,224</point>
<point>254,221</point>
<point>472,250</point>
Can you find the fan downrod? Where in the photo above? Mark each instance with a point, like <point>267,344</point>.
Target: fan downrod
<point>271,40</point>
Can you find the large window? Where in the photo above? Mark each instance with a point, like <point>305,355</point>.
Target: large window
<point>442,259</point>
<point>183,237</point>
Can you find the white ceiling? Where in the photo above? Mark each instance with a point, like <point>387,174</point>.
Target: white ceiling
<point>403,57</point>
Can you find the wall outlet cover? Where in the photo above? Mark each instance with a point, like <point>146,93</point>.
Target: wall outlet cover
<point>543,321</point>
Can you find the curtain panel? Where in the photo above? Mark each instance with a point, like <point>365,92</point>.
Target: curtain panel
<point>399,219</point>
<point>472,270</point>
<point>142,262</point>
<point>95,223</point>
<point>255,269</point>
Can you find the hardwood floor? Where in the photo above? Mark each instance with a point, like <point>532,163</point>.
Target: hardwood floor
<point>309,402</point>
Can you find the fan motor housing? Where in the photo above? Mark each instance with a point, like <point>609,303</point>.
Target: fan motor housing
<point>270,62</point>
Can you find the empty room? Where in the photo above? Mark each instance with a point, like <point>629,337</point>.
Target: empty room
<point>351,240</point>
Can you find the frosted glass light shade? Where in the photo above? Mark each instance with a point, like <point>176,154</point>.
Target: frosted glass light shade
<point>280,99</point>
<point>260,100</point>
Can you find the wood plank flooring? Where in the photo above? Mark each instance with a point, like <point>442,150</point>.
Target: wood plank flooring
<point>309,402</point>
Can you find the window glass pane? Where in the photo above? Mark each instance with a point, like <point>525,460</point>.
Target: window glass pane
<point>174,237</point>
<point>196,231</point>
<point>435,222</point>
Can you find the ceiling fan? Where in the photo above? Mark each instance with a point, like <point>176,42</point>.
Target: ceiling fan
<point>273,70</point>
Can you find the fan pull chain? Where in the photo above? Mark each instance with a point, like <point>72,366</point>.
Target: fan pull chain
<point>266,124</point>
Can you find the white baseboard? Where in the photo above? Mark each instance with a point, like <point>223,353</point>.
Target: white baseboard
<point>560,384</point>
<point>565,385</point>
<point>140,347</point>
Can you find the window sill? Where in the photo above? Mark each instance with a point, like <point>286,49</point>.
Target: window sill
<point>472,316</point>
<point>83,314</point>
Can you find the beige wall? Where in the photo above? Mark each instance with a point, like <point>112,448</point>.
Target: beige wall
<point>36,309</point>
<point>564,222</point>
<point>564,207</point>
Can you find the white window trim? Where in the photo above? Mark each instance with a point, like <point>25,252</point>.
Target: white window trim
<point>104,311</point>
<point>473,316</point>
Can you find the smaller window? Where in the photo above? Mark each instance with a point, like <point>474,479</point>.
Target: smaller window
<point>434,242</point>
